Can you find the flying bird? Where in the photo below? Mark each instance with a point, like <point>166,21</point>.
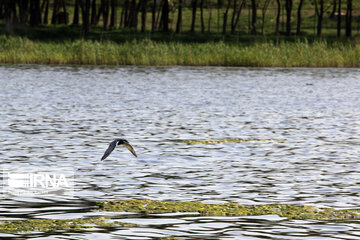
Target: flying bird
<point>117,142</point>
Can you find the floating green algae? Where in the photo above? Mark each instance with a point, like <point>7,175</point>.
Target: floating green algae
<point>230,140</point>
<point>45,225</point>
<point>229,209</point>
<point>155,207</point>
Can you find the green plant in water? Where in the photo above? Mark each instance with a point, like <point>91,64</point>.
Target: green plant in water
<point>45,225</point>
<point>228,209</point>
<point>230,140</point>
<point>169,238</point>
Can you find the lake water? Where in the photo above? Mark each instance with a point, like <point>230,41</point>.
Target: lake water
<point>65,117</point>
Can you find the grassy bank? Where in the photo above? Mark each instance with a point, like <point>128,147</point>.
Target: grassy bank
<point>21,50</point>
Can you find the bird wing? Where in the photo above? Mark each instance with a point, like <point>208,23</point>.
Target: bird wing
<point>109,149</point>
<point>130,148</point>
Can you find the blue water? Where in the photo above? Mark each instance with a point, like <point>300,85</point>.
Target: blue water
<point>65,117</point>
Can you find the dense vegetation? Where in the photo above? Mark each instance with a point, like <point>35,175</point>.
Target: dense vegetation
<point>148,52</point>
<point>288,17</point>
<point>281,33</point>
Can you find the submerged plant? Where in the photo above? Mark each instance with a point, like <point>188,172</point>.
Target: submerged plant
<point>157,207</point>
<point>228,209</point>
<point>45,225</point>
<point>230,140</point>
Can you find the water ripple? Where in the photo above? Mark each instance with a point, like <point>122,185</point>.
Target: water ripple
<point>66,116</point>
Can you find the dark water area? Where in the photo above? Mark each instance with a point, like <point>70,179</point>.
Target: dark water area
<point>65,117</point>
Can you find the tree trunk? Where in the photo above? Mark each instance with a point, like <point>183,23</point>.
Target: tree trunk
<point>238,12</point>
<point>7,15</point>
<point>42,7</point>
<point>55,11</point>
<point>288,7</point>
<point>254,17</point>
<point>65,12</point>
<point>93,13</point>
<point>35,13</point>
<point>46,13</point>
<point>298,26</point>
<point>320,18</point>
<point>233,17</point>
<point>124,14</point>
<point>105,13</point>
<point>320,15</point>
<point>226,13</point>
<point>165,16</point>
<point>277,26</point>
<point>157,25</point>
<point>263,13</point>
<point>143,15</point>
<point>179,19</point>
<point>348,18</point>
<point>219,5</point>
<point>153,17</point>
<point>133,15</point>
<point>210,15</point>
<point>2,10</point>
<point>332,14</point>
<point>100,12</point>
<point>86,15</point>
<point>76,13</point>
<point>339,19</point>
<point>113,15</point>
<point>194,5</point>
<point>122,17</point>
<point>15,18</point>
<point>23,11</point>
<point>202,16</point>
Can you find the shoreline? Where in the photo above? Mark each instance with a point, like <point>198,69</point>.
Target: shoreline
<point>301,54</point>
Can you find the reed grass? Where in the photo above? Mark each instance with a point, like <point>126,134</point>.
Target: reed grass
<point>21,50</point>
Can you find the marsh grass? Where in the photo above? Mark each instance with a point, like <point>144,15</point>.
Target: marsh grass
<point>21,50</point>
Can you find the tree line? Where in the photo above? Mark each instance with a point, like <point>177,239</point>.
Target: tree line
<point>133,14</point>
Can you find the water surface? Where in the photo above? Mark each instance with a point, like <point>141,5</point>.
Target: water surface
<point>66,117</point>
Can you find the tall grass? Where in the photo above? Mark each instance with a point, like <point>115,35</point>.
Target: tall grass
<point>19,50</point>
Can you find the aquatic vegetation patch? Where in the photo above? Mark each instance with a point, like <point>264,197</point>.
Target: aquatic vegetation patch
<point>45,225</point>
<point>230,140</point>
<point>228,209</point>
